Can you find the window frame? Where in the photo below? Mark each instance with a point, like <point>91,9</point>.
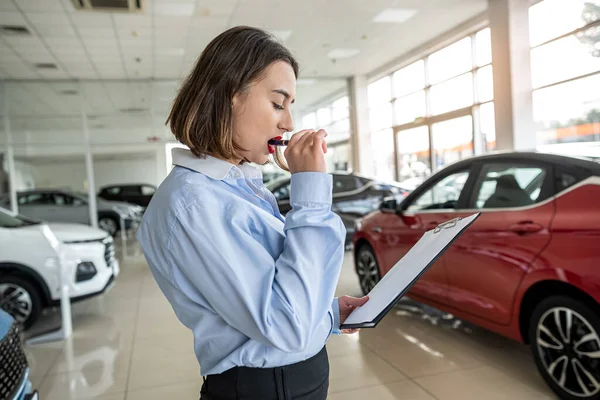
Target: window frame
<point>471,169</point>
<point>547,190</point>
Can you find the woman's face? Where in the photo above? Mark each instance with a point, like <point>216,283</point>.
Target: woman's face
<point>263,112</point>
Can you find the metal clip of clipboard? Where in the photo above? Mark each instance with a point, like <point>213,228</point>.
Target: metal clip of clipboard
<point>447,224</point>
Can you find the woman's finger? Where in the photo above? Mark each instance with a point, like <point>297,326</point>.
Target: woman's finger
<point>297,136</point>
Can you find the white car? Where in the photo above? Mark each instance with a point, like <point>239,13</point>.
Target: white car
<point>29,265</point>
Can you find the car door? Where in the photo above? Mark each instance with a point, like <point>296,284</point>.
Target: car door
<point>429,206</point>
<point>487,263</point>
<point>69,209</point>
<point>348,200</point>
<point>37,205</point>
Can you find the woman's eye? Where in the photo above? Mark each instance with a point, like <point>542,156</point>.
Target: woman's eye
<point>277,106</point>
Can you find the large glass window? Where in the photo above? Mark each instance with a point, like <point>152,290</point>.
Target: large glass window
<point>549,19</point>
<point>339,157</point>
<point>380,116</point>
<point>483,47</point>
<point>409,79</point>
<point>452,140</point>
<point>485,84</point>
<point>563,59</point>
<point>340,109</point>
<point>487,125</point>
<point>310,121</point>
<point>382,143</point>
<point>411,107</point>
<point>452,95</point>
<point>566,72</point>
<point>414,160</point>
<point>428,90</point>
<point>451,61</point>
<point>324,116</point>
<point>569,112</point>
<point>379,92</point>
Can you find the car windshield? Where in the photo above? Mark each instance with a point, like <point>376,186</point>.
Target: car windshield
<point>10,220</point>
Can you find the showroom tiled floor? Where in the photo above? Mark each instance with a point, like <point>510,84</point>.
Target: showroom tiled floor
<point>128,345</point>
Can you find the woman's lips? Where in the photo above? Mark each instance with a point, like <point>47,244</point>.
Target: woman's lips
<point>272,148</point>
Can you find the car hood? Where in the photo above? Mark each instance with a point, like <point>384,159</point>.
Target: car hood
<point>76,232</point>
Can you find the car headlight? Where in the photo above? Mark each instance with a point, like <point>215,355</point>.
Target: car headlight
<point>122,211</point>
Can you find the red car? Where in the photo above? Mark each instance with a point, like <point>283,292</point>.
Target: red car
<point>528,268</point>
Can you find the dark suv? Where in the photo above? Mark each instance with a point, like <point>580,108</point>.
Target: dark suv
<point>139,194</point>
<point>354,196</point>
<point>14,368</point>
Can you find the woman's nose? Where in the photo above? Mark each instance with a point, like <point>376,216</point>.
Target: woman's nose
<point>287,122</point>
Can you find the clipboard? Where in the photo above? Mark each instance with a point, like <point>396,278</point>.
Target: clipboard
<point>406,272</point>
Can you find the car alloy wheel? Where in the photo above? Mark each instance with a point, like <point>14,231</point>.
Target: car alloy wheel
<point>16,301</point>
<point>108,225</point>
<point>367,269</point>
<point>569,349</point>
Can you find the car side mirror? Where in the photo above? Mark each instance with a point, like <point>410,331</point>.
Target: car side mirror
<point>389,205</point>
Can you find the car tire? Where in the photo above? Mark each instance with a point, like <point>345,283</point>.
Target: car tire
<point>21,299</point>
<point>367,268</point>
<point>568,359</point>
<point>109,225</point>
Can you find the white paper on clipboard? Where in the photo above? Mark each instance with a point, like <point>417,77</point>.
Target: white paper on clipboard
<point>406,271</point>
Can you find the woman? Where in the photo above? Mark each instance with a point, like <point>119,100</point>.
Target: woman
<point>255,288</point>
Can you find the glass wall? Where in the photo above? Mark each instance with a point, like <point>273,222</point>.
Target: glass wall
<point>430,106</point>
<point>565,70</point>
<point>334,117</point>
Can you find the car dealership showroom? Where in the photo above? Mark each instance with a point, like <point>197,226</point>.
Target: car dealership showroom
<point>309,199</point>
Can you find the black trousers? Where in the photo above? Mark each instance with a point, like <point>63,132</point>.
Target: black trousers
<point>306,380</point>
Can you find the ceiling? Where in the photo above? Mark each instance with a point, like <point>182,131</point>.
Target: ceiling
<point>130,64</point>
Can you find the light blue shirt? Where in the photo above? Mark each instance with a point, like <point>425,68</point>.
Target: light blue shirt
<point>255,288</point>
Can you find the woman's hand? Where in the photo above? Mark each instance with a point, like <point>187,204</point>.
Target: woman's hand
<point>347,305</point>
<point>306,151</point>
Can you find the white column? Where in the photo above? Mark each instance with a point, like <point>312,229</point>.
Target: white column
<point>10,155</point>
<point>360,131</point>
<point>162,170</point>
<point>509,24</point>
<point>89,164</point>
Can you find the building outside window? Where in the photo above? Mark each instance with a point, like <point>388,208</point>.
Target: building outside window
<point>565,71</point>
<point>429,113</point>
<point>335,119</point>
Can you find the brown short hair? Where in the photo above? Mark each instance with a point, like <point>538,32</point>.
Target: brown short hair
<point>201,117</point>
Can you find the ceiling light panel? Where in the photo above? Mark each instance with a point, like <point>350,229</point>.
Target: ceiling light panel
<point>174,9</point>
<point>343,53</point>
<point>394,15</point>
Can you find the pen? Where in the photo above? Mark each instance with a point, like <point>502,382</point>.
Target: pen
<point>279,142</point>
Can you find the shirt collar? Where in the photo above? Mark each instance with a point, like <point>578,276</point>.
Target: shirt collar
<point>213,167</point>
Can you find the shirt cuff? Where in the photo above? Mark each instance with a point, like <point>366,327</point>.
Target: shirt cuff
<point>311,187</point>
<point>335,306</point>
